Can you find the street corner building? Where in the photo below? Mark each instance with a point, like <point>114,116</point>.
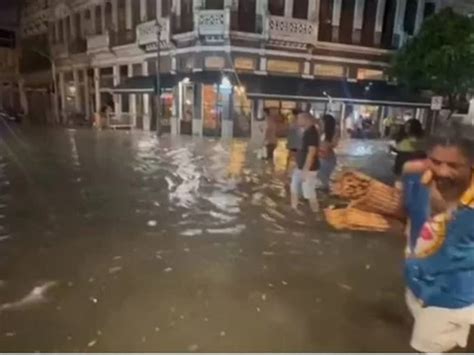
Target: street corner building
<point>214,64</point>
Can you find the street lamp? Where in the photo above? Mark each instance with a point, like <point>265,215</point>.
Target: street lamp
<point>157,79</point>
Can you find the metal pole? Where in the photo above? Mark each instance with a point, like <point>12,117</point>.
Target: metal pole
<point>157,78</point>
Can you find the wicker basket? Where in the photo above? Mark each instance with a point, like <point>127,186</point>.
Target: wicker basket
<point>358,220</point>
<point>351,185</point>
<point>381,199</point>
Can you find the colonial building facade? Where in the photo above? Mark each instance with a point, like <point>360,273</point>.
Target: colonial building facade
<point>221,62</point>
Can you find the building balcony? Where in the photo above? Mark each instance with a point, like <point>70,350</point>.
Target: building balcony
<point>98,43</point>
<point>60,50</point>
<point>291,31</point>
<point>213,22</point>
<point>147,33</point>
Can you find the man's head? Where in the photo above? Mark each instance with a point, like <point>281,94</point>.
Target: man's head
<point>306,120</point>
<point>452,158</point>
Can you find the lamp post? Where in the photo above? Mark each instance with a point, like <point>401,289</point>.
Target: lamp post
<point>157,79</point>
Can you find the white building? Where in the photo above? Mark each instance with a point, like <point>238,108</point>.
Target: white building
<point>221,61</point>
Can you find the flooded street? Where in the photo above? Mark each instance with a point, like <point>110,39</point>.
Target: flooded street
<point>115,241</point>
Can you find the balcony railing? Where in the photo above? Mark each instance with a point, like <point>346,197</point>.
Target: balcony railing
<point>213,22</point>
<point>98,43</point>
<point>147,32</point>
<point>291,29</point>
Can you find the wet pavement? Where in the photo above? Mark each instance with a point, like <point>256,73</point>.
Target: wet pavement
<point>115,241</point>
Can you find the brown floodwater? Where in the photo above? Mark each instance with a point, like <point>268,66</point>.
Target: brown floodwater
<point>118,241</point>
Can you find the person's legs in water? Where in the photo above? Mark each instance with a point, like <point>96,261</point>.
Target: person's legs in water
<point>326,169</point>
<point>296,181</point>
<point>309,190</point>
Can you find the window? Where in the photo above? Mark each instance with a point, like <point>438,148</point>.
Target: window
<point>98,20</point>
<point>247,19</point>
<point>78,25</point>
<point>368,26</point>
<point>121,15</point>
<point>165,8</point>
<point>347,21</point>
<point>429,10</point>
<point>388,23</point>
<point>108,16</point>
<point>135,7</point>
<point>325,20</point>
<point>67,28</point>
<point>276,7</point>
<point>214,4</point>
<point>151,10</point>
<point>300,9</point>
<point>410,17</point>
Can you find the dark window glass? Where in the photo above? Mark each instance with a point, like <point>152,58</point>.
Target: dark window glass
<point>151,10</point>
<point>429,10</point>
<point>67,31</point>
<point>347,21</point>
<point>78,27</point>
<point>410,17</point>
<point>276,7</point>
<point>247,16</point>
<point>214,4</point>
<point>165,8</point>
<point>325,20</point>
<point>98,19</point>
<point>388,23</point>
<point>135,13</point>
<point>300,9</point>
<point>122,24</point>
<point>123,71</point>
<point>368,26</point>
<point>108,16</point>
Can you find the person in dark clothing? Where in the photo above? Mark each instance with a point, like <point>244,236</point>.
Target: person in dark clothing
<point>304,177</point>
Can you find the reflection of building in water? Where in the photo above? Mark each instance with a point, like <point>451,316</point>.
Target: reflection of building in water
<point>221,61</point>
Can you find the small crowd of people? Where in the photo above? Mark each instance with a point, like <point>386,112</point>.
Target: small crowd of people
<point>311,147</point>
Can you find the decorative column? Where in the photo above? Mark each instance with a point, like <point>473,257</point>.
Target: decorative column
<point>379,22</point>
<point>336,19</point>
<point>87,101</point>
<point>398,33</point>
<point>358,21</point>
<point>313,16</point>
<point>419,15</point>
<point>132,98</point>
<point>146,102</point>
<point>227,122</point>
<point>258,123</point>
<point>98,104</point>
<point>288,8</point>
<point>62,91</point>
<point>198,119</point>
<point>77,93</point>
<point>117,97</point>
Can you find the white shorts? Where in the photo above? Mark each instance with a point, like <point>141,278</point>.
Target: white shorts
<point>307,188</point>
<point>436,329</point>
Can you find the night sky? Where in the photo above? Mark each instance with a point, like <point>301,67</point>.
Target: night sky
<point>8,13</point>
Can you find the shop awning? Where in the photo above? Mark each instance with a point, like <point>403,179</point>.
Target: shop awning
<point>144,84</point>
<point>274,87</point>
<point>363,92</point>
